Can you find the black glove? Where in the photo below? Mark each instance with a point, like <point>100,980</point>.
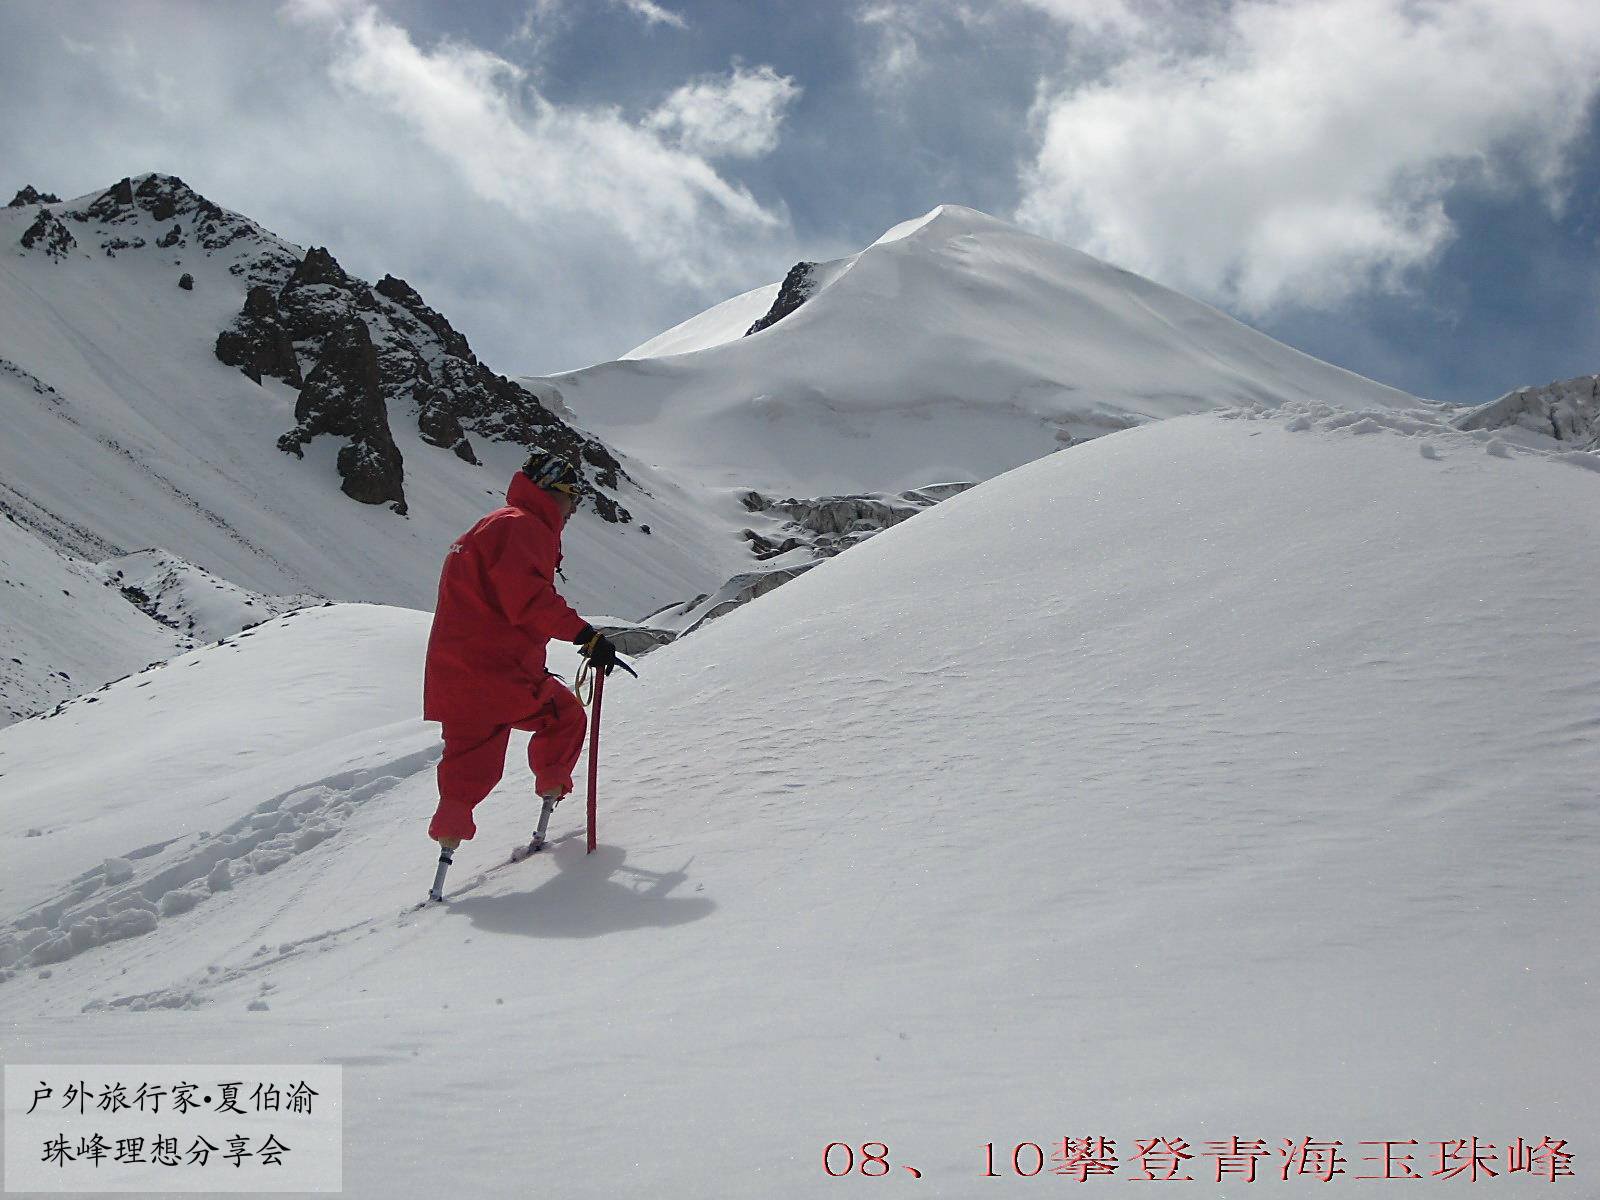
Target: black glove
<point>598,649</point>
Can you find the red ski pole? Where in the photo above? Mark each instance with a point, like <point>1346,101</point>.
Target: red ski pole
<point>594,752</point>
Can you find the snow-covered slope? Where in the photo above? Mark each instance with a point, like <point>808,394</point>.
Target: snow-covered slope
<point>63,631</point>
<point>191,599</point>
<point>954,348</point>
<point>206,737</point>
<point>719,323</point>
<point>1224,777</point>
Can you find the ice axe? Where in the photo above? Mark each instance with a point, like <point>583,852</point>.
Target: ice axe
<point>599,679</point>
<point>594,753</point>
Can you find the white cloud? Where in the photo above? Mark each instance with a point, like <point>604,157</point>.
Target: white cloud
<point>898,34</point>
<point>545,20</point>
<point>1304,152</point>
<point>542,21</point>
<point>1104,16</point>
<point>898,56</point>
<point>654,13</point>
<point>737,116</point>
<point>551,235</point>
<point>542,160</point>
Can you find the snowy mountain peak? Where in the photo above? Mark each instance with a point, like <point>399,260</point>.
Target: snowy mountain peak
<point>946,220</point>
<point>954,347</point>
<point>31,195</point>
<point>290,306</point>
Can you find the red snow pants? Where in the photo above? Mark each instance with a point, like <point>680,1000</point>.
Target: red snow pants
<point>475,757</point>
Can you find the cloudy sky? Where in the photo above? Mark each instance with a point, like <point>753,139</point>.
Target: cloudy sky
<point>1408,188</point>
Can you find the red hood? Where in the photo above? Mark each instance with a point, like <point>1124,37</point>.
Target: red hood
<point>533,499</point>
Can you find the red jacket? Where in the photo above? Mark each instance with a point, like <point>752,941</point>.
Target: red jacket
<point>497,609</point>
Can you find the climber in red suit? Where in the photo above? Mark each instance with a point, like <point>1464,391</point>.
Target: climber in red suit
<point>485,675</point>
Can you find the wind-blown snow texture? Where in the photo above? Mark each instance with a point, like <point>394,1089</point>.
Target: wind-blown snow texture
<point>1231,775</point>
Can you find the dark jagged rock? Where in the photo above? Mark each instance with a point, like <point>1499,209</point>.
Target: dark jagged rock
<point>114,244</point>
<point>186,282</point>
<point>373,474</point>
<point>319,298</point>
<point>798,286</point>
<point>167,196</point>
<point>342,396</point>
<point>200,224</point>
<point>319,266</point>
<point>212,228</point>
<point>257,343</point>
<point>215,228</point>
<point>29,195</point>
<point>403,294</point>
<point>423,364</point>
<point>48,234</point>
<point>609,509</point>
<point>113,206</point>
<point>439,427</point>
<point>161,196</point>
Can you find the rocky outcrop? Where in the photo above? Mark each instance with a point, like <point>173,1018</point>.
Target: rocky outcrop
<point>373,473</point>
<point>297,324</point>
<point>428,365</point>
<point>403,294</point>
<point>634,640</point>
<point>676,620</point>
<point>439,427</point>
<point>818,528</point>
<point>798,286</point>
<point>196,224</point>
<point>423,366</point>
<point>114,204</point>
<point>425,369</point>
<point>1568,412</point>
<point>257,342</point>
<point>742,589</point>
<point>318,299</point>
<point>164,196</point>
<point>30,195</point>
<point>342,397</point>
<point>112,245</point>
<point>48,234</point>
<point>827,525</point>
